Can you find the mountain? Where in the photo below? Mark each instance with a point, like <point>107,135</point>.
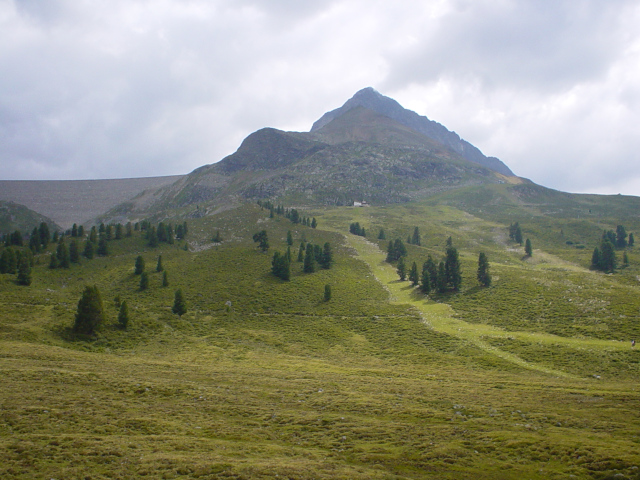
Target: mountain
<point>371,99</point>
<point>14,216</point>
<point>77,201</point>
<point>375,151</point>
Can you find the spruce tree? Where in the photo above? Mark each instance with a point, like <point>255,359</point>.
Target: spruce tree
<point>139,265</point>
<point>179,303</point>
<point>309,260</point>
<point>262,240</point>
<point>625,259</point>
<point>90,314</point>
<point>632,240</point>
<point>453,277</point>
<point>159,266</point>
<point>528,249</point>
<point>484,277</point>
<point>45,235</point>
<point>441,278</point>
<point>432,268</point>
<point>74,230</point>
<point>596,261</point>
<point>62,252</point>
<point>301,252</point>
<point>314,223</point>
<point>53,261</point>
<point>402,269</point>
<point>289,238</point>
<point>144,281</point>
<point>415,239</point>
<point>381,235</point>
<point>165,279</point>
<point>425,280</point>
<point>103,248</point>
<point>74,251</point>
<point>413,274</point>
<point>327,293</point>
<point>123,315</point>
<point>608,261</point>
<point>24,272</point>
<point>327,256</point>
<point>621,237</point>
<point>88,249</point>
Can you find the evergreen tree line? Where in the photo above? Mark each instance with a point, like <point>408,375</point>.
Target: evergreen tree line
<point>396,250</point>
<point>312,257</point>
<point>17,261</point>
<point>290,213</point>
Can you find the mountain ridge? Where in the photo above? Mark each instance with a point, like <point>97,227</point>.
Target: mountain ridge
<point>370,98</point>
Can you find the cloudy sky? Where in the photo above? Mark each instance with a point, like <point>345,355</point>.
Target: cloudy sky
<point>130,88</point>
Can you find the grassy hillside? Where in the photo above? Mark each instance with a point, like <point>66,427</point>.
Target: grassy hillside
<point>14,217</point>
<point>533,377</point>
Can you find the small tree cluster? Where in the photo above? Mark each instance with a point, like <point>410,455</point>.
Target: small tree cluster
<point>262,240</point>
<point>292,214</point>
<point>356,229</point>
<point>515,232</point>
<point>604,256</point>
<point>415,238</point>
<point>396,250</point>
<point>281,265</point>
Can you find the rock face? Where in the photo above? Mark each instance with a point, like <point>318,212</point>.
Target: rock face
<point>371,99</point>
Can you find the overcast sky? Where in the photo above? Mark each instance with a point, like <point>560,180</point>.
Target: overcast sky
<point>131,88</point>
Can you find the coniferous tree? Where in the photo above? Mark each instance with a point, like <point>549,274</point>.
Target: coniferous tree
<point>608,261</point>
<point>441,278</point>
<point>327,256</point>
<point>289,238</point>
<point>74,230</point>
<point>128,230</point>
<point>90,314</point>
<point>621,237</point>
<point>74,251</point>
<point>381,235</point>
<point>596,260</point>
<point>280,266</point>
<point>88,249</point>
<point>34,241</point>
<point>56,236</point>
<point>625,259</point>
<point>144,281</point>
<point>425,280</point>
<point>152,236</point>
<point>327,293</point>
<point>301,252</point>
<point>119,233</point>
<point>109,232</point>
<point>632,240</point>
<point>484,277</point>
<point>165,279</point>
<point>413,274</point>
<point>123,315</point>
<point>314,223</point>
<point>53,261</point>
<point>62,252</point>
<point>93,235</point>
<point>179,303</point>
<point>24,272</point>
<point>102,230</point>
<point>262,240</point>
<point>159,266</point>
<point>432,268</point>
<point>309,260</point>
<point>415,239</point>
<point>452,268</point>
<point>402,269</point>
<point>8,261</point>
<point>103,248</point>
<point>528,249</point>
<point>139,265</point>
<point>45,235</point>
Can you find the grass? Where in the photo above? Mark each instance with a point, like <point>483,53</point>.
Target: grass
<point>378,383</point>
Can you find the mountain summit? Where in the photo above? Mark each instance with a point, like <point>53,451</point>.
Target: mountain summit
<point>373,100</point>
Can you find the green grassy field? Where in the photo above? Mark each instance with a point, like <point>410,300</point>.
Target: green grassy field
<point>533,377</point>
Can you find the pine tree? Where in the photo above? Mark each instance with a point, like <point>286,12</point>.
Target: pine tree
<point>53,261</point>
<point>596,260</point>
<point>165,279</point>
<point>402,269</point>
<point>381,235</point>
<point>621,237</point>
<point>152,237</point>
<point>45,235</point>
<point>88,249</point>
<point>8,261</point>
<point>34,241</point>
<point>90,314</point>
<point>103,248</point>
<point>432,268</point>
<point>608,261</point>
<point>425,280</point>
<point>74,251</point>
<point>301,252</point>
<point>528,249</point>
<point>159,266</point>
<point>625,259</point>
<point>93,235</point>
<point>413,274</point>
<point>309,260</point>
<point>24,272</point>
<point>289,238</point>
<point>119,234</point>
<point>123,315</point>
<point>327,256</point>
<point>632,240</point>
<point>484,277</point>
<point>179,303</point>
<point>415,239</point>
<point>74,230</point>
<point>314,223</point>
<point>327,293</point>
<point>441,278</point>
<point>62,252</point>
<point>139,265</point>
<point>144,281</point>
<point>453,277</point>
<point>128,230</point>
<point>262,240</point>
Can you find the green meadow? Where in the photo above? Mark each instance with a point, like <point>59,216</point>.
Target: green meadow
<point>533,377</point>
